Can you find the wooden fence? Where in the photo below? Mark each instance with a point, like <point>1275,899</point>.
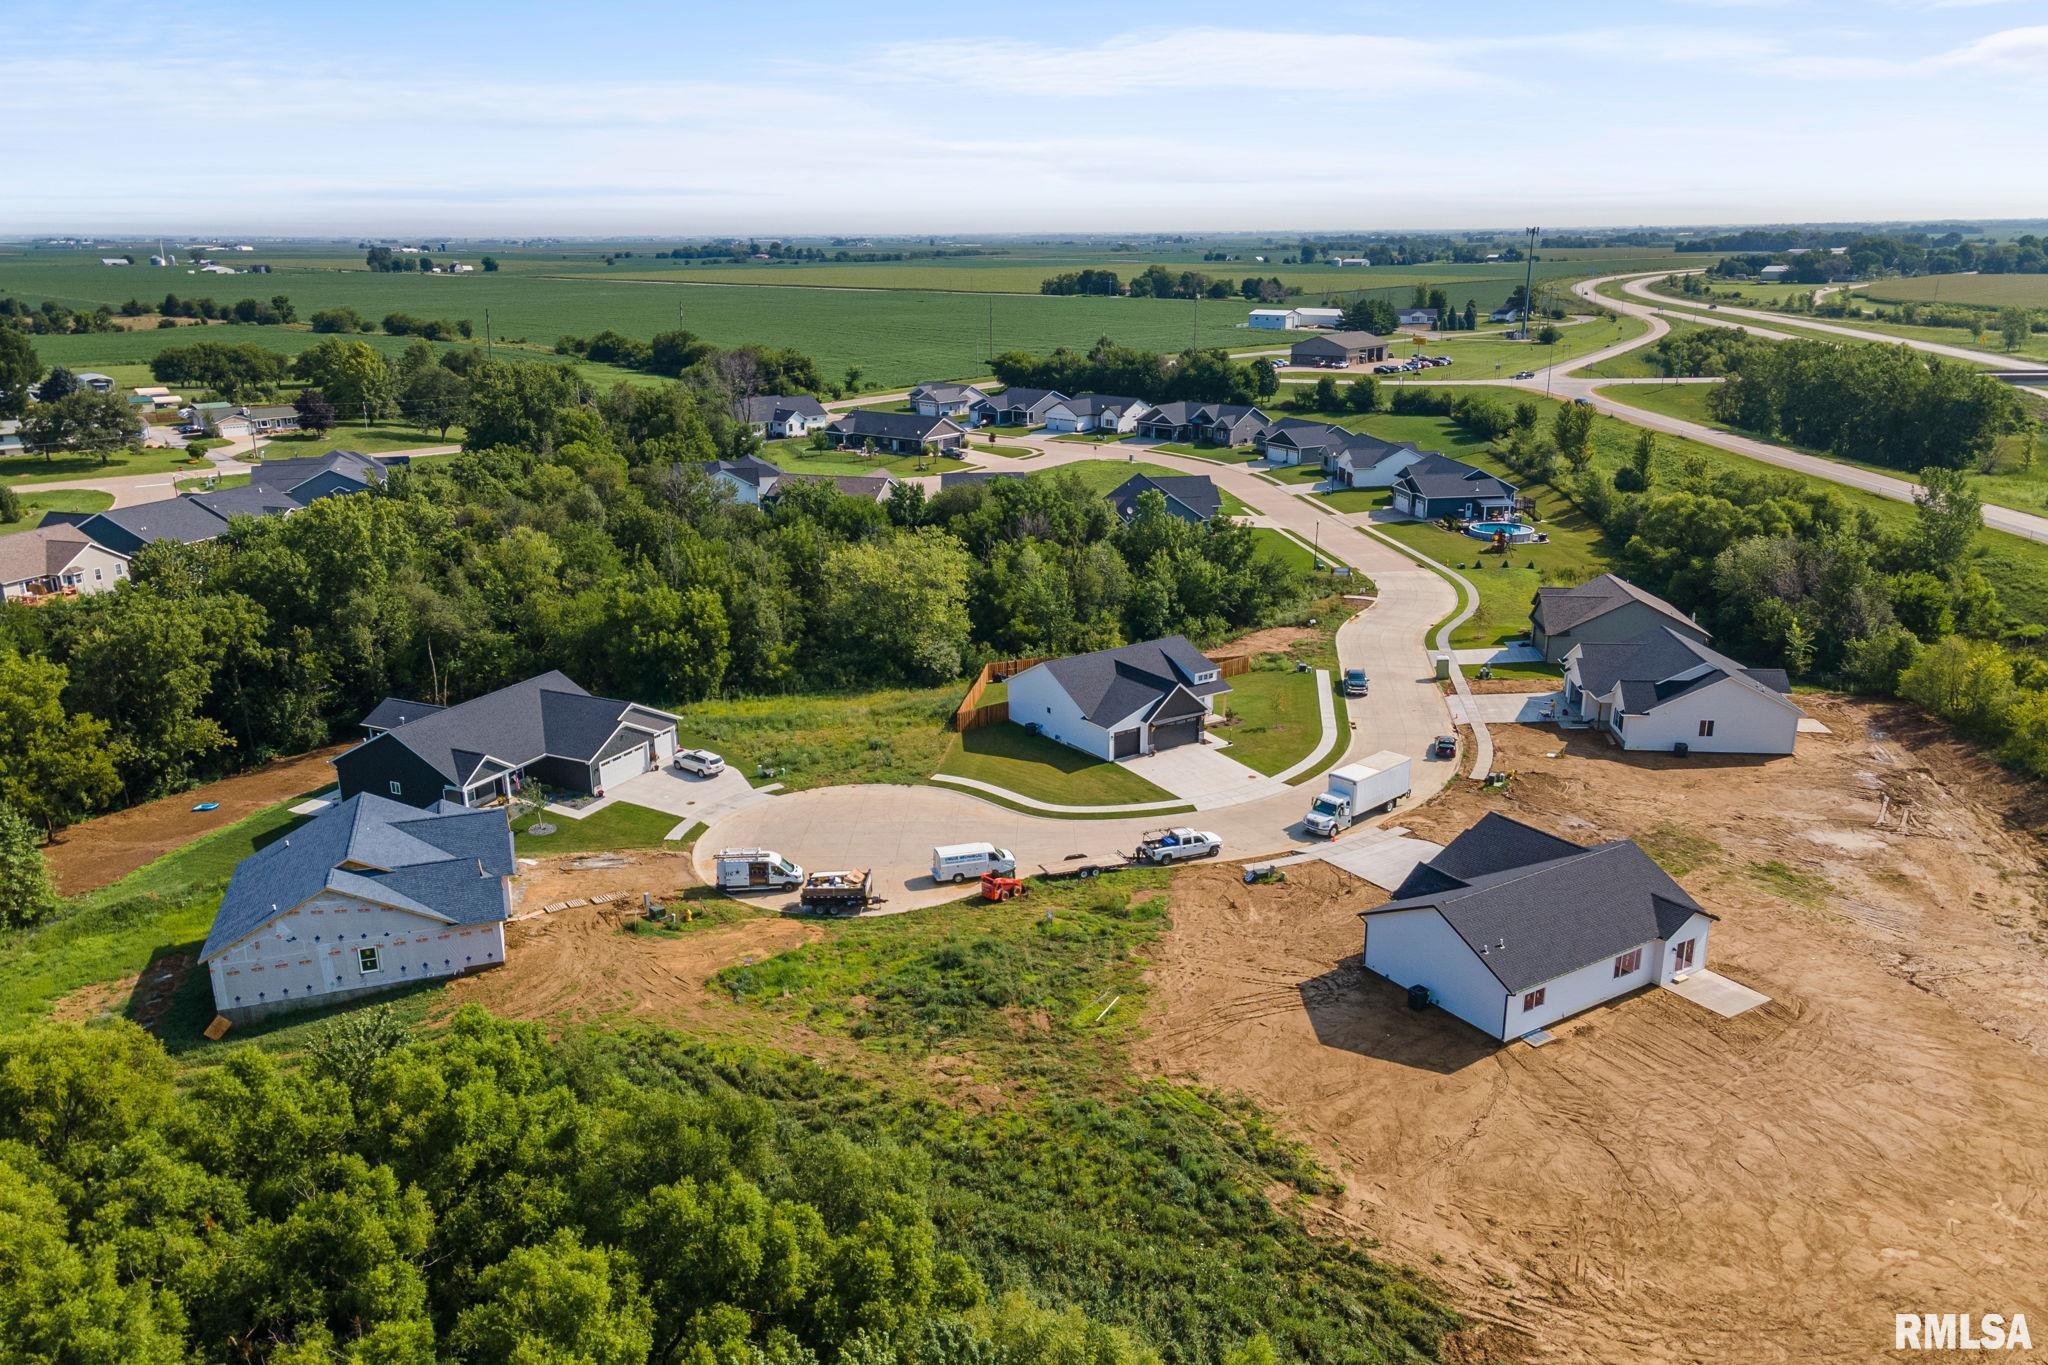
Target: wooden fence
<point>972,715</point>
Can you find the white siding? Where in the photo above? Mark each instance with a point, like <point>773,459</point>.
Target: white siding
<point>1745,722</point>
<point>742,491</point>
<point>1580,990</point>
<point>311,951</point>
<point>1381,475</point>
<point>1036,698</point>
<point>1416,947</point>
<point>1698,928</point>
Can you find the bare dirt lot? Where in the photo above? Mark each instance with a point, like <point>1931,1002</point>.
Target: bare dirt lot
<point>1661,1184</point>
<point>101,851</point>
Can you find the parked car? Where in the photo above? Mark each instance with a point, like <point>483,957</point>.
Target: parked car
<point>1356,683</point>
<point>1446,746</point>
<point>1582,402</point>
<point>1443,360</point>
<point>702,762</point>
<point>1385,369</point>
<point>1524,374</point>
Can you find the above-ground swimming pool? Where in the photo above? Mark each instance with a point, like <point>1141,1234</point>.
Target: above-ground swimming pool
<point>1518,533</point>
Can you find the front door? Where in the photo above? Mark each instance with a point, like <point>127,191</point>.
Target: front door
<point>1682,956</point>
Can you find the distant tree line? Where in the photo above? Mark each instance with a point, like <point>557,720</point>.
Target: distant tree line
<point>746,370</point>
<point>1815,257</point>
<point>1201,375</point>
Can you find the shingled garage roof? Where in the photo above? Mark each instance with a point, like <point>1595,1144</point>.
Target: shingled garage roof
<point>1196,492</point>
<point>1437,476</point>
<point>1649,668</point>
<point>774,407</point>
<point>516,725</point>
<point>1096,404</point>
<point>748,469</point>
<point>948,393</point>
<point>447,862</point>
<point>1110,685</point>
<point>292,474</point>
<point>185,520</point>
<point>900,426</point>
<point>1533,907</point>
<point>1561,609</point>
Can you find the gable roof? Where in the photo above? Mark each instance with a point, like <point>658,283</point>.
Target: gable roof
<point>127,529</point>
<point>393,712</point>
<point>1009,400</point>
<point>1440,476</point>
<point>748,469</point>
<point>1095,404</point>
<point>1111,684</point>
<point>776,407</point>
<point>1196,492</point>
<point>1559,610</point>
<point>515,725</point>
<point>448,863</point>
<point>1533,907</point>
<point>42,553</point>
<point>873,487</point>
<point>1341,341</point>
<point>1663,663</point>
<point>899,426</point>
<point>947,393</point>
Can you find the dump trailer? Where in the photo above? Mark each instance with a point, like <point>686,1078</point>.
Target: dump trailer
<point>1357,790</point>
<point>1177,845</point>
<point>846,892</point>
<point>756,869</point>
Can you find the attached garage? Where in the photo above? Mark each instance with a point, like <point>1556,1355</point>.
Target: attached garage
<point>1126,743</point>
<point>1171,734</point>
<point>620,766</point>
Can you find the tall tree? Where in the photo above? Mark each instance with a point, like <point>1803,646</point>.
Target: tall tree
<point>26,896</point>
<point>54,766</point>
<point>19,369</point>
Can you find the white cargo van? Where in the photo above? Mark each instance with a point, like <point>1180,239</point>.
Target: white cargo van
<point>966,862</point>
<point>756,869</point>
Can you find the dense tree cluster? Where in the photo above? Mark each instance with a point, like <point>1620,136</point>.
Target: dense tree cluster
<point>1209,376</point>
<point>236,371</point>
<point>427,329</point>
<point>1815,257</point>
<point>677,354</point>
<point>50,318</point>
<point>1887,405</point>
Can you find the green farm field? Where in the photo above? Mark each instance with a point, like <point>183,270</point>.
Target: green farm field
<point>1984,291</point>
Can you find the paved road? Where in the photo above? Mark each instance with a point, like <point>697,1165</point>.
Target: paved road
<point>893,829</point>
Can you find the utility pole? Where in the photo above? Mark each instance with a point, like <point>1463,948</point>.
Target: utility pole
<point>1195,340</point>
<point>1529,283</point>
<point>487,332</point>
<point>991,328</point>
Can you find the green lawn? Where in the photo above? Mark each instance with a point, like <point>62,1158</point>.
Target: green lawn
<point>1296,473</point>
<point>17,470</point>
<point>1032,766</point>
<point>1277,718</point>
<point>797,457</point>
<point>1281,548</point>
<point>1357,501</point>
<point>619,825</point>
<point>378,438</point>
<point>33,505</point>
<point>1635,364</point>
<point>829,739</point>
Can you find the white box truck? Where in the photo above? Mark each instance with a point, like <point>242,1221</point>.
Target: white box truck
<point>756,869</point>
<point>1358,789</point>
<point>966,862</point>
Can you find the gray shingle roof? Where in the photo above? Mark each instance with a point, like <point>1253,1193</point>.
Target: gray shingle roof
<point>873,487</point>
<point>901,426</point>
<point>1095,404</point>
<point>1660,664</point>
<point>1533,907</point>
<point>516,725</point>
<point>948,393</point>
<point>1331,342</point>
<point>185,520</point>
<point>1196,492</point>
<point>1011,399</point>
<point>380,850</point>
<point>1110,684</point>
<point>1559,610</point>
<point>290,475</point>
<point>393,712</point>
<point>41,553</point>
<point>777,407</point>
<point>748,469</point>
<point>1440,476</point>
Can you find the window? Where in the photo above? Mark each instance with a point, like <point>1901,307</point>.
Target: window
<point>1681,956</point>
<point>1628,962</point>
<point>394,788</point>
<point>1706,729</point>
<point>1533,1000</point>
<point>366,961</point>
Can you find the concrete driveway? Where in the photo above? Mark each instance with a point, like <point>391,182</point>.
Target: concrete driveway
<point>1204,775</point>
<point>688,797</point>
<point>1509,708</point>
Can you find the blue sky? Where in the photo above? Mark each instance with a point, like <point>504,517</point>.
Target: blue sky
<point>461,118</point>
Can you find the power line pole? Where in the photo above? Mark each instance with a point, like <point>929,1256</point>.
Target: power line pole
<point>1529,283</point>
<point>487,334</point>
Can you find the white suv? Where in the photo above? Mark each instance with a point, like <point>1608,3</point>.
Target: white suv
<point>702,762</point>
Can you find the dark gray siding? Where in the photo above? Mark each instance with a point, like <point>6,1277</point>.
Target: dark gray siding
<point>374,764</point>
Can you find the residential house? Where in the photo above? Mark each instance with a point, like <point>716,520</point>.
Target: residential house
<point>1439,486</point>
<point>275,487</point>
<point>1606,608</point>
<point>1505,315</point>
<point>11,440</point>
<point>870,487</point>
<point>1016,408</point>
<point>1103,412</point>
<point>56,559</point>
<point>944,400</point>
<point>1339,350</point>
<point>898,433</point>
<point>1665,689</point>
<point>1272,320</point>
<point>779,416</point>
<point>1362,461</point>
<point>1318,317</point>
<point>1117,703</point>
<point>1425,318</point>
<point>1207,423</point>
<point>482,750</point>
<point>260,420</point>
<point>393,712</point>
<point>1512,929</point>
<point>1190,497</point>
<point>749,479</point>
<point>367,896</point>
<point>1296,440</point>
<point>94,380</point>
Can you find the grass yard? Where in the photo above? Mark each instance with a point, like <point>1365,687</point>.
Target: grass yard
<point>797,457</point>
<point>1295,473</point>
<point>1281,548</point>
<point>828,739</point>
<point>33,505</point>
<point>1033,766</point>
<point>1634,364</point>
<point>619,825</point>
<point>18,470</point>
<point>1276,717</point>
<point>378,438</point>
<point>1356,501</point>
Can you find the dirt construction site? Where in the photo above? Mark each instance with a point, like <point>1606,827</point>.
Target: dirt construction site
<point>1660,1183</point>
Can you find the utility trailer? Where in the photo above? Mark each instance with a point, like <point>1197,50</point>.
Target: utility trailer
<point>846,892</point>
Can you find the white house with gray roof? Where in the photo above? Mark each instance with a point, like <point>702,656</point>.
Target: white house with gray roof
<point>369,895</point>
<point>1512,929</point>
<point>546,729</point>
<point>945,400</point>
<point>1666,690</point>
<point>780,416</point>
<point>1103,412</point>
<point>1122,702</point>
<point>1015,407</point>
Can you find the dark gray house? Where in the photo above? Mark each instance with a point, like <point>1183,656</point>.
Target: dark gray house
<point>1599,610</point>
<point>479,751</point>
<point>898,433</point>
<point>1511,929</point>
<point>1191,497</point>
<point>1339,350</point>
<point>1016,408</point>
<point>1223,424</point>
<point>1439,486</point>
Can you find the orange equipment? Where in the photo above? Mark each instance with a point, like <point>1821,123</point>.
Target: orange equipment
<point>994,888</point>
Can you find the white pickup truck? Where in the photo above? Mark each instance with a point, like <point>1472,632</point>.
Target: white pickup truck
<point>1177,846</point>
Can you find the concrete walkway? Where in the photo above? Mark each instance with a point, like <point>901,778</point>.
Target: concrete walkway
<point>1711,990</point>
<point>1509,708</point>
<point>1500,655</point>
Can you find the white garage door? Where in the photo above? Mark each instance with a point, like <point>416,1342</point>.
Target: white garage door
<point>619,767</point>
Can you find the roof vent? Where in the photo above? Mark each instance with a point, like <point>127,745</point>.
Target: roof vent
<point>480,868</point>
<point>1501,946</point>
